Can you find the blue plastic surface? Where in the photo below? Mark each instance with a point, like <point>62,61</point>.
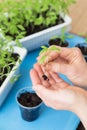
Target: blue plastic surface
<point>10,118</point>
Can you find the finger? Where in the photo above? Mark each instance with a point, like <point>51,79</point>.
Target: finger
<point>54,80</point>
<point>71,51</point>
<point>59,82</point>
<point>50,78</point>
<point>40,72</point>
<point>34,77</point>
<point>58,67</point>
<point>70,54</point>
<point>67,53</point>
<point>49,56</point>
<point>55,77</point>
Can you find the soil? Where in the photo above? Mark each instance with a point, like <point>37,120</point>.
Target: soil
<point>29,99</point>
<point>45,77</point>
<point>80,126</point>
<point>15,56</point>
<point>82,48</point>
<point>58,42</point>
<point>33,29</point>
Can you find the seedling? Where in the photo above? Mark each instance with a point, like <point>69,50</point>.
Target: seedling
<point>45,50</point>
<point>60,39</point>
<point>7,60</point>
<point>19,18</point>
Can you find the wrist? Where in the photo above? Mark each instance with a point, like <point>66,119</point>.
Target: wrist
<point>80,108</point>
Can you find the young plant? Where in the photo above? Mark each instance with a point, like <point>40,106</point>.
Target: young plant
<point>20,18</point>
<point>62,37</point>
<point>46,49</point>
<point>7,59</point>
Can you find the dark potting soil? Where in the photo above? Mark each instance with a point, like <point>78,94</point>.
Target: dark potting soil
<point>58,42</point>
<point>33,29</point>
<point>29,99</point>
<point>45,77</point>
<point>15,56</point>
<point>80,127</point>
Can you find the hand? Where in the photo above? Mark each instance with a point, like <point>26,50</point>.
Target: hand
<point>55,92</point>
<point>70,62</point>
<point>58,94</point>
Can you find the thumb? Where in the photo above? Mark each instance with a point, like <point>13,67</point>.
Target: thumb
<point>58,67</point>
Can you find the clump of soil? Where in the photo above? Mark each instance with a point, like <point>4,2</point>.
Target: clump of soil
<point>58,42</point>
<point>29,99</point>
<point>45,77</point>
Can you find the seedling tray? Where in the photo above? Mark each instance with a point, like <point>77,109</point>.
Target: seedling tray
<point>10,118</point>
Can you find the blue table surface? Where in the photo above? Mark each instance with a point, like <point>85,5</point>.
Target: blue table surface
<point>10,118</point>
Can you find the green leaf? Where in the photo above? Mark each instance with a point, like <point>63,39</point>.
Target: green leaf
<point>41,52</point>
<point>38,21</point>
<point>54,48</point>
<point>21,27</point>
<point>44,49</point>
<point>41,61</point>
<point>18,43</point>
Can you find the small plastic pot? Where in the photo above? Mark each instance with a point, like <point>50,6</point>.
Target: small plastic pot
<point>58,42</point>
<point>32,110</point>
<point>83,48</point>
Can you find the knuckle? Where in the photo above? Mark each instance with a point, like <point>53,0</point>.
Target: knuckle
<point>77,50</point>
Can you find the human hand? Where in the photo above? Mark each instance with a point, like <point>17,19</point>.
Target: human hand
<point>70,62</point>
<point>58,94</point>
<point>55,92</point>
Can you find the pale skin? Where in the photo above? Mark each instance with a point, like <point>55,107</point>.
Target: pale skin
<point>55,92</point>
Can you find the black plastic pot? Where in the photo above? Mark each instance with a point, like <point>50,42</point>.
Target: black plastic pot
<point>31,110</point>
<point>83,48</point>
<point>58,42</point>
